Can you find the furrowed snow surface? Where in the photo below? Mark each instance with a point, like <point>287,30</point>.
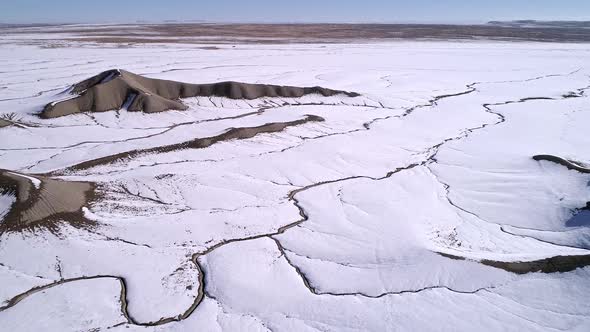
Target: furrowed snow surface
<point>414,206</point>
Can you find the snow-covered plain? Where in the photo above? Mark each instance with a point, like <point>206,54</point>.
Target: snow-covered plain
<point>379,218</point>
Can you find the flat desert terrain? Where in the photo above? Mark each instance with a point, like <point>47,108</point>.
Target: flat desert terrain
<point>191,178</point>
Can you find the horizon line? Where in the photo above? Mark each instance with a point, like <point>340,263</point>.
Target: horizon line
<point>198,21</point>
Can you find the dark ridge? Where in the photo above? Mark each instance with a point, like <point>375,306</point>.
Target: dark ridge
<point>570,164</point>
<point>459,258</point>
<point>542,24</point>
<point>114,89</point>
<point>44,203</point>
<point>572,94</point>
<point>546,265</point>
<point>4,123</point>
<point>582,216</point>
<point>198,143</point>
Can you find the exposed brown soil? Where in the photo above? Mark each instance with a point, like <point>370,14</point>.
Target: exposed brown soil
<point>198,143</point>
<point>300,33</point>
<point>368,31</point>
<point>570,164</point>
<point>112,89</point>
<point>45,204</point>
<point>4,123</point>
<point>546,265</point>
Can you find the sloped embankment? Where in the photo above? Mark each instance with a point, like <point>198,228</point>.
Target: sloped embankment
<point>570,164</point>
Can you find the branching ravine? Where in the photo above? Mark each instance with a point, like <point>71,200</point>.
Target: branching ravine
<point>431,159</point>
<point>365,126</point>
<point>195,257</point>
<point>503,230</point>
<point>123,300</point>
<point>315,291</point>
<point>489,108</point>
<point>265,107</point>
<point>431,152</point>
<point>260,111</point>
<point>167,129</point>
<point>117,239</point>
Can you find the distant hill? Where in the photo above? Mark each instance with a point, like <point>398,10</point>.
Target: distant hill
<point>541,24</point>
<point>25,25</point>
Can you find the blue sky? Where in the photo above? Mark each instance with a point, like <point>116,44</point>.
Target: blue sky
<point>386,11</point>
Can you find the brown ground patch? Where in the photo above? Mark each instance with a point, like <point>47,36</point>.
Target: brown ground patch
<point>317,32</point>
<point>45,204</point>
<point>198,143</point>
<point>546,265</point>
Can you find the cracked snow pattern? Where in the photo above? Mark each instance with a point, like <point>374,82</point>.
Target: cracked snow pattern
<point>416,206</point>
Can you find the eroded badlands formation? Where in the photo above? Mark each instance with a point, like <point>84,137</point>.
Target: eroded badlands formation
<point>40,201</point>
<point>115,89</point>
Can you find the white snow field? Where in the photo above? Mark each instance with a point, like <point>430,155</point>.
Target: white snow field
<point>416,206</point>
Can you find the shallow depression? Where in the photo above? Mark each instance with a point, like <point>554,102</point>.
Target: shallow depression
<point>580,219</point>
